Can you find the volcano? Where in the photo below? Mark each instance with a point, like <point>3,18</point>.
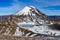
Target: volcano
<point>29,22</point>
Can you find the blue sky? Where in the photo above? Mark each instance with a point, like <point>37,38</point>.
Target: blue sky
<point>48,7</point>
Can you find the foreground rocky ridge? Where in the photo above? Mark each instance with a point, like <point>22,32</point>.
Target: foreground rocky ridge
<point>8,27</point>
<point>2,37</point>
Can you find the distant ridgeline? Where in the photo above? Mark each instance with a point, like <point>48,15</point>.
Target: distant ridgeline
<point>6,16</point>
<point>53,16</point>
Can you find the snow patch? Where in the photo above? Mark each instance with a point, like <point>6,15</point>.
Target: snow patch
<point>18,33</point>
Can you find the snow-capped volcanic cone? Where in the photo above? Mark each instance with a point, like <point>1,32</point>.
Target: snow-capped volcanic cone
<point>30,10</point>
<point>27,10</point>
<point>33,14</point>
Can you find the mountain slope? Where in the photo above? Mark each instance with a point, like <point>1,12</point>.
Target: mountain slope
<point>32,19</point>
<point>10,28</point>
<point>27,22</point>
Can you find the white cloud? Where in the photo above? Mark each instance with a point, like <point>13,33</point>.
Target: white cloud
<point>16,5</point>
<point>48,2</point>
<point>50,12</point>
